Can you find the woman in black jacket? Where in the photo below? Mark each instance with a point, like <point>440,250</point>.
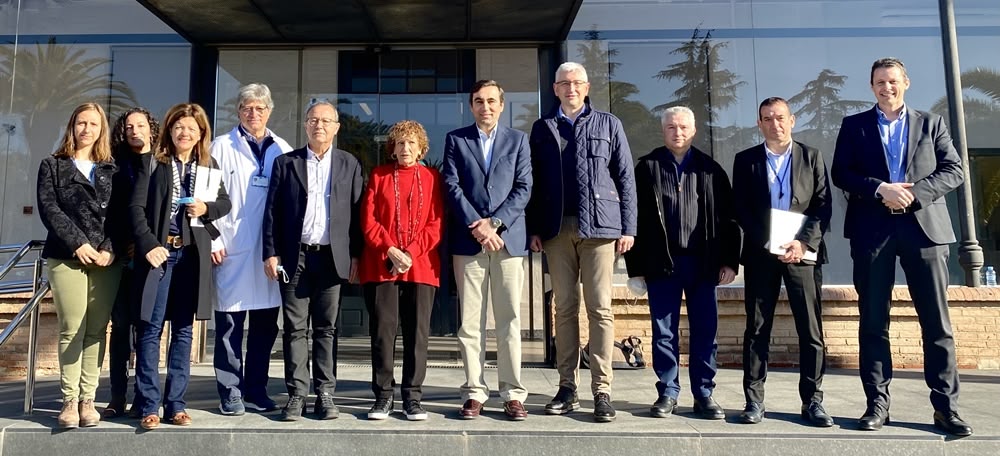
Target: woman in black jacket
<point>132,140</point>
<point>172,210</point>
<point>74,192</point>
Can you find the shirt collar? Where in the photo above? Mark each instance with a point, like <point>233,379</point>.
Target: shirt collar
<point>487,136</point>
<point>563,115</point>
<point>885,120</point>
<point>246,134</point>
<point>771,153</point>
<point>313,154</point>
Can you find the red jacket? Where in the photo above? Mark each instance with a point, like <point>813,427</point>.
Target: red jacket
<point>378,222</point>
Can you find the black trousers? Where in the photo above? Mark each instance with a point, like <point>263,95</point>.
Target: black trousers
<point>803,284</point>
<point>239,375</point>
<point>310,298</point>
<point>925,265</point>
<point>399,304</point>
<point>122,338</point>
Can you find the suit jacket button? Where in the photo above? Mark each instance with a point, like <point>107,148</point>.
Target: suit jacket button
<point>104,205</point>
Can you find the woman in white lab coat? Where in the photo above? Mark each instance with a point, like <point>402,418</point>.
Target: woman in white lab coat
<point>245,156</point>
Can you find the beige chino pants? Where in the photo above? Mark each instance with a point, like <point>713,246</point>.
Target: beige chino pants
<point>574,260</point>
<point>499,277</point>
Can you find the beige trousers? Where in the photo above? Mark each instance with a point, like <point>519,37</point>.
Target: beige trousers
<point>495,277</point>
<point>83,297</point>
<point>573,260</point>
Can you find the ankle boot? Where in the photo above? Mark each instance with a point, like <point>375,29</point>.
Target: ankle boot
<point>69,416</point>
<point>88,414</point>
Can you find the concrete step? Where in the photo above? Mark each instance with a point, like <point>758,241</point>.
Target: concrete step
<point>634,431</point>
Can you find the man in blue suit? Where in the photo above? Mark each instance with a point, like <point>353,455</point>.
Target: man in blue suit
<point>896,164</point>
<point>487,175</point>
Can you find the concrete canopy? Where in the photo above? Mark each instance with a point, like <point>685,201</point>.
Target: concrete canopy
<point>259,22</point>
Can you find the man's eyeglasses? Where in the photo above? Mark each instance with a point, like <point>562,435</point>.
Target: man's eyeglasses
<point>566,84</point>
<point>313,121</point>
<point>249,109</point>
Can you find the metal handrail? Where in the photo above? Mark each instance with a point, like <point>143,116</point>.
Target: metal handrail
<point>31,311</point>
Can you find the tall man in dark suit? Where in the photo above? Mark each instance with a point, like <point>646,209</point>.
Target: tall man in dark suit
<point>896,165</point>
<point>487,176</point>
<point>312,242</point>
<point>789,176</point>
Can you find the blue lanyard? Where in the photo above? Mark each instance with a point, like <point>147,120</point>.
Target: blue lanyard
<point>780,177</point>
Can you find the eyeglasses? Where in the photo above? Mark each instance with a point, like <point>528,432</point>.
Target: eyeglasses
<point>246,110</point>
<point>313,121</point>
<point>565,84</point>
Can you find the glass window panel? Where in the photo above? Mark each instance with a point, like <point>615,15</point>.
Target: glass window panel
<point>240,67</point>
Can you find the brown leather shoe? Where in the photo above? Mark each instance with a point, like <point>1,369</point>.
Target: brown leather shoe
<point>471,409</point>
<point>150,422</point>
<point>515,410</point>
<point>181,419</point>
<point>69,416</point>
<point>88,414</point>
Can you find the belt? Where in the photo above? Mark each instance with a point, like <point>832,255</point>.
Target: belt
<point>903,211</point>
<point>174,241</point>
<point>313,247</point>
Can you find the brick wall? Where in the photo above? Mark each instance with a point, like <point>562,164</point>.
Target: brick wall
<point>975,318</point>
<point>14,354</point>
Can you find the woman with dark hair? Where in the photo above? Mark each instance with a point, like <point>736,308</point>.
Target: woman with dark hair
<point>74,191</point>
<point>131,140</point>
<point>400,268</point>
<point>173,232</point>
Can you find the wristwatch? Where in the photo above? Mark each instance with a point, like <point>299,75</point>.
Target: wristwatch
<point>495,222</point>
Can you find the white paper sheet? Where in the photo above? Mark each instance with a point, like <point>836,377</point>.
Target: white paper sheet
<point>206,187</point>
<point>784,226</point>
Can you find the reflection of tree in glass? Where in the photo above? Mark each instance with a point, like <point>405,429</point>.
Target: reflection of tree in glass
<point>981,99</point>
<point>706,87</point>
<point>642,127</point>
<point>819,109</point>
<point>359,137</point>
<point>54,79</point>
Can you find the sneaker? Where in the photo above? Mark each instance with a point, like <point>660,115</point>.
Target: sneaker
<point>232,407</point>
<point>381,409</point>
<point>293,409</point>
<point>325,408</point>
<point>414,412</point>
<point>260,404</point>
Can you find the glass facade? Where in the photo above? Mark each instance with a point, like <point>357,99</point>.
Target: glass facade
<point>55,55</point>
<point>721,57</point>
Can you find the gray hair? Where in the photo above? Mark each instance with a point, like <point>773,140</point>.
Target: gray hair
<point>571,67</point>
<point>322,101</point>
<point>673,111</point>
<point>255,92</point>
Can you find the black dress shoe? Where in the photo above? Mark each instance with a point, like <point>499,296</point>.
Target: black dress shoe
<point>708,409</point>
<point>753,413</point>
<point>951,423</point>
<point>603,411</point>
<point>816,415</point>
<point>563,402</point>
<point>874,418</point>
<point>663,407</point>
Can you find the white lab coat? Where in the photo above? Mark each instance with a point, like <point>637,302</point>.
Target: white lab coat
<point>240,282</point>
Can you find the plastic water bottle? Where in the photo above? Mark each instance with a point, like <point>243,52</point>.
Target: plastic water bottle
<point>991,276</point>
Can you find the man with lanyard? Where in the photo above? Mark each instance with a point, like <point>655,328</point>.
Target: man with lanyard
<point>789,176</point>
<point>896,208</point>
<point>245,156</point>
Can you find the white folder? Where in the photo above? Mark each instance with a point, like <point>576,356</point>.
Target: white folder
<point>784,226</point>
<point>206,187</point>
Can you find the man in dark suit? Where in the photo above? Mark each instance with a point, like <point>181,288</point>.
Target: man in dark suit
<point>896,165</point>
<point>312,241</point>
<point>790,176</point>
<point>487,175</point>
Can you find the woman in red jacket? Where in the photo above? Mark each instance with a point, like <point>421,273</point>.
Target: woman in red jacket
<point>400,269</point>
